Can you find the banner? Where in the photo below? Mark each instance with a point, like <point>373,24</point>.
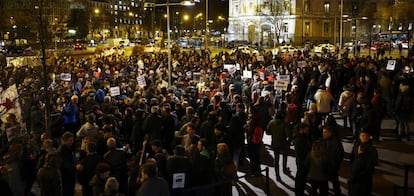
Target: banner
<point>9,103</point>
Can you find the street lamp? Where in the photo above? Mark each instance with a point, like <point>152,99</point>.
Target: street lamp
<point>167,5</point>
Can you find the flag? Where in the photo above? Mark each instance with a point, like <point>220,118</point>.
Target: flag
<point>9,103</point>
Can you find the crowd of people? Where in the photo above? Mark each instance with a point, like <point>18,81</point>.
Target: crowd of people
<point>150,138</point>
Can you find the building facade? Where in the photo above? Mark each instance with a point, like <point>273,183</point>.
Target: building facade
<point>272,22</point>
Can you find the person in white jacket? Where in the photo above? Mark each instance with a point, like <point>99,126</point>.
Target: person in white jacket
<point>323,99</point>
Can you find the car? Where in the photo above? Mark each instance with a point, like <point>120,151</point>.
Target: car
<point>246,50</point>
<point>79,46</point>
<point>349,45</point>
<point>113,51</point>
<point>285,49</point>
<point>385,45</point>
<point>329,47</point>
<point>236,43</point>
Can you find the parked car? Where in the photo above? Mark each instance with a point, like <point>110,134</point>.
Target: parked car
<point>385,45</point>
<point>246,50</point>
<point>113,51</point>
<point>329,47</point>
<point>236,43</point>
<point>79,46</point>
<point>285,49</point>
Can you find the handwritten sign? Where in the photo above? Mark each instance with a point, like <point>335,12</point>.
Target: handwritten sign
<point>115,91</point>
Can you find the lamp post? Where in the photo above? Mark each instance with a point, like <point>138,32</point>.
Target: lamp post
<point>167,5</point>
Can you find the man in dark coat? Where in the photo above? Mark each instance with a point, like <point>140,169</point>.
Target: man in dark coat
<point>86,168</point>
<point>302,149</point>
<point>277,127</point>
<point>360,178</point>
<point>168,122</point>
<point>67,166</point>
<point>153,125</point>
<point>151,184</point>
<point>176,164</point>
<point>48,177</point>
<point>335,155</point>
<point>117,159</point>
<point>236,132</point>
<point>203,168</point>
<point>370,154</point>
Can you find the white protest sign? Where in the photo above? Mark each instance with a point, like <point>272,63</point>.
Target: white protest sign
<point>283,78</point>
<point>197,76</point>
<point>115,91</point>
<point>391,64</point>
<point>281,85</point>
<point>66,77</point>
<point>247,74</point>
<point>231,68</point>
<point>141,81</point>
<point>178,180</point>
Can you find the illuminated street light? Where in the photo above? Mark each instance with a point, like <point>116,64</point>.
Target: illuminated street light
<point>167,5</point>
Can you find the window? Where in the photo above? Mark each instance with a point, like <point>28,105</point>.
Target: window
<point>285,27</point>
<point>326,7</point>
<point>307,28</point>
<point>326,28</point>
<point>306,6</point>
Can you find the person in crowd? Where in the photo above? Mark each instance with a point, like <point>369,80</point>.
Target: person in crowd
<point>89,129</point>
<point>362,171</point>
<point>160,155</point>
<point>302,145</point>
<point>317,162</point>
<point>98,181</point>
<point>403,109</point>
<point>324,101</point>
<point>370,154</point>
<point>67,168</point>
<point>71,114</point>
<point>280,146</point>
<point>334,152</point>
<point>254,135</point>
<point>117,160</point>
<point>202,167</point>
<point>187,138</point>
<point>345,100</point>
<point>150,183</point>
<point>356,112</point>
<point>48,176</point>
<point>178,164</point>
<point>225,170</point>
<point>236,132</point>
<point>86,168</point>
<point>153,125</point>
<point>111,188</point>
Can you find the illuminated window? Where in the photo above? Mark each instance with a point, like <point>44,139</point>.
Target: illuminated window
<point>307,28</point>
<point>326,7</point>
